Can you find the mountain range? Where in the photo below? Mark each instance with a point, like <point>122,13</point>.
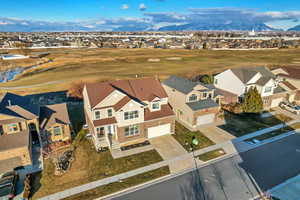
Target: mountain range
<point>18,25</point>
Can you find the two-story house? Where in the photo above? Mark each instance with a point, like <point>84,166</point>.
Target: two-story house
<point>239,80</point>
<point>18,124</point>
<point>125,112</point>
<point>195,104</point>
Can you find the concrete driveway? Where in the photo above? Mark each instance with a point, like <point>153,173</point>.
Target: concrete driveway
<point>216,134</point>
<point>168,147</point>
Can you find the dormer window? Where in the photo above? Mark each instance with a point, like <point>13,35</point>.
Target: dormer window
<point>268,89</point>
<point>192,98</point>
<point>109,112</point>
<point>155,106</point>
<point>97,115</point>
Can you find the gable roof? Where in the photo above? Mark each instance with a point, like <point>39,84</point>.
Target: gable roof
<point>293,72</point>
<point>289,85</point>
<point>138,89</point>
<point>121,103</point>
<point>247,73</point>
<point>185,85</point>
<point>52,114</point>
<point>18,106</point>
<point>263,80</point>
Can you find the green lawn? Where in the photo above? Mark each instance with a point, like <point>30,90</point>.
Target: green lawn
<point>88,166</point>
<point>211,155</point>
<point>184,137</point>
<point>118,186</point>
<point>242,124</point>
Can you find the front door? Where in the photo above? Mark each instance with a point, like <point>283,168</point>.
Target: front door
<point>100,132</point>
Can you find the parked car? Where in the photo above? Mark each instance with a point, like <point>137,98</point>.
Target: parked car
<point>290,107</point>
<point>8,184</point>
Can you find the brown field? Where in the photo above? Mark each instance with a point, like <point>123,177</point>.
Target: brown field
<point>106,64</point>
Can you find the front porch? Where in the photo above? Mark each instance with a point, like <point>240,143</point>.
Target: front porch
<point>106,136</point>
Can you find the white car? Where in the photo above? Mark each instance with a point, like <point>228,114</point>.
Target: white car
<point>290,107</point>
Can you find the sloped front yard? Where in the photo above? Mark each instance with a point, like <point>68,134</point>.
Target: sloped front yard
<point>88,166</point>
<point>242,124</point>
<point>184,136</point>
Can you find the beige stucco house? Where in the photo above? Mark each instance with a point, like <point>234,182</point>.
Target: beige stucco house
<point>125,112</point>
<point>22,122</point>
<point>195,104</point>
<point>18,123</point>
<point>55,124</point>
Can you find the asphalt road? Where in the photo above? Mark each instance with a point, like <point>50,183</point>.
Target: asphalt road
<point>236,178</point>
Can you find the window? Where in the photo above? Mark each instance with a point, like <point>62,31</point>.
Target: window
<point>97,114</point>
<point>57,131</point>
<point>1,130</point>
<point>204,94</point>
<point>268,89</point>
<point>13,127</point>
<point>193,97</point>
<point>131,115</point>
<point>209,95</point>
<point>216,81</point>
<point>109,112</point>
<point>155,106</point>
<point>131,130</point>
<point>100,131</point>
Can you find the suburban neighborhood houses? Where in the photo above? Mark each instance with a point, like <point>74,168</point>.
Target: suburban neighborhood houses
<point>194,103</point>
<point>272,90</point>
<point>178,121</point>
<point>125,112</point>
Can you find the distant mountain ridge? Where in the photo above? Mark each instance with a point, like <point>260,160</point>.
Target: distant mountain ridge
<point>296,28</point>
<point>19,25</point>
<point>219,27</point>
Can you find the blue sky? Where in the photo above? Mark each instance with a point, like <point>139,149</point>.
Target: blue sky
<point>147,14</point>
<point>72,10</point>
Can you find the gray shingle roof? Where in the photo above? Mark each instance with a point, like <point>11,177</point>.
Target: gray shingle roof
<point>202,104</point>
<point>181,84</point>
<point>15,140</point>
<point>263,80</point>
<point>246,73</point>
<point>18,106</point>
<point>52,114</point>
<point>184,85</point>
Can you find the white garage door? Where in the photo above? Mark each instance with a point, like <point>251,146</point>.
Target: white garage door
<point>276,102</point>
<point>159,130</point>
<point>205,119</point>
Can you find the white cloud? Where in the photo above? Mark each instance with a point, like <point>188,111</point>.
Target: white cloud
<point>142,7</point>
<point>124,6</point>
<point>194,17</point>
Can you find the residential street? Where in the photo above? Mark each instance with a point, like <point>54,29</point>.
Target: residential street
<point>231,178</point>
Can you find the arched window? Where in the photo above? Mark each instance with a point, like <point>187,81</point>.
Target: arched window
<point>193,97</point>
<point>97,114</point>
